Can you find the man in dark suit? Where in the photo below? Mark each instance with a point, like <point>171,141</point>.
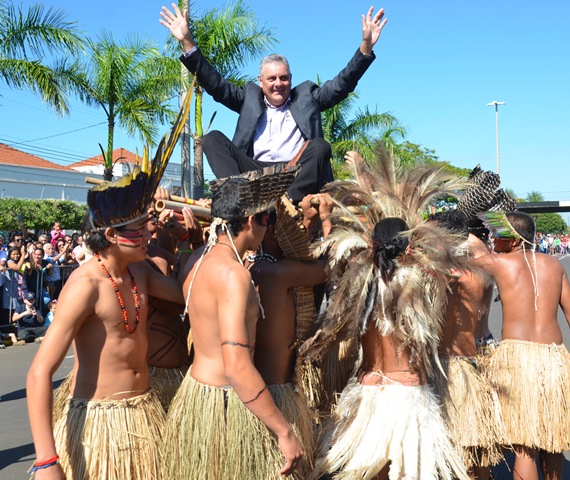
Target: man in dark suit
<point>276,123</point>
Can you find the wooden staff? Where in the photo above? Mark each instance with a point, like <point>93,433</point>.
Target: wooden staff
<point>200,212</point>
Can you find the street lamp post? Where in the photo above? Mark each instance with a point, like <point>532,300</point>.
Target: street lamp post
<point>496,104</point>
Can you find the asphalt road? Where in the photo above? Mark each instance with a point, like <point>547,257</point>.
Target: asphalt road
<point>16,447</point>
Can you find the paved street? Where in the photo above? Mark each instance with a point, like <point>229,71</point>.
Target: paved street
<point>16,447</point>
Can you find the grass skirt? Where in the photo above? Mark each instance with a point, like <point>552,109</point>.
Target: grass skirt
<point>377,424</point>
<point>294,407</point>
<point>165,382</point>
<point>210,434</point>
<point>111,439</point>
<point>471,410</point>
<point>533,383</point>
<point>60,397</point>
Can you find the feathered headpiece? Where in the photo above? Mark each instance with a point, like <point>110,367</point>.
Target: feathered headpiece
<point>113,204</point>
<point>411,305</point>
<point>483,194</point>
<point>262,189</point>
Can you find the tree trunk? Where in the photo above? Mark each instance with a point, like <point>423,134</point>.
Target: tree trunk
<point>185,140</point>
<point>198,184</point>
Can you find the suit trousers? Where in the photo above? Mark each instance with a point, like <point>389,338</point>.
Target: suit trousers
<point>226,159</point>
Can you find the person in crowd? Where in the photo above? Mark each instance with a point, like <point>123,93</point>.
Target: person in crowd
<point>275,121</point>
<point>78,253</point>
<point>56,233</point>
<point>37,274</point>
<point>14,287</point>
<point>29,319</point>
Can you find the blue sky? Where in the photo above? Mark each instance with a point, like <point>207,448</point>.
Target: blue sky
<point>438,65</point>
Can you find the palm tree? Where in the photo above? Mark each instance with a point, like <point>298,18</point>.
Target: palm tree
<point>26,39</point>
<point>534,196</point>
<point>133,84</point>
<point>361,132</point>
<point>228,38</point>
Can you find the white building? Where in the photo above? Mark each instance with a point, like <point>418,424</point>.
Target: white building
<point>26,176</point>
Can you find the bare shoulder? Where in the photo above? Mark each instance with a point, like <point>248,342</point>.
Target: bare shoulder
<point>549,261</point>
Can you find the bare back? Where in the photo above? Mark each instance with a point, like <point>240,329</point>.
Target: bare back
<point>275,335</point>
<point>467,310</point>
<point>512,273</point>
<point>219,284</point>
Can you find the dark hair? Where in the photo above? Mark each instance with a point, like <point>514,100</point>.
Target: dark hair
<point>14,249</point>
<point>387,244</point>
<point>93,236</point>
<point>227,204</point>
<point>453,220</point>
<point>523,225</point>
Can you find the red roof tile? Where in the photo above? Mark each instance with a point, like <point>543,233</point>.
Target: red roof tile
<point>12,156</point>
<point>120,155</point>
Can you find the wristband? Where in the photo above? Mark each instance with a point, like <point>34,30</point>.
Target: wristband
<point>45,464</point>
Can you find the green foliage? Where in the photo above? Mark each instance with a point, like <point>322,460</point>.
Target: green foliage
<point>40,214</point>
<point>534,196</point>
<point>27,38</point>
<point>550,223</point>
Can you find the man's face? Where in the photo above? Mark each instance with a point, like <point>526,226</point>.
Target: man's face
<point>133,238</point>
<point>38,255</point>
<point>17,240</point>
<point>48,249</point>
<point>275,83</point>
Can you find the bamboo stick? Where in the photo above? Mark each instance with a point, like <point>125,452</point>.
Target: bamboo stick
<point>200,212</point>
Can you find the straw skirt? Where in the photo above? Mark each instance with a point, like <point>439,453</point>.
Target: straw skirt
<point>111,439</point>
<point>165,382</point>
<point>470,406</point>
<point>533,383</point>
<point>210,434</point>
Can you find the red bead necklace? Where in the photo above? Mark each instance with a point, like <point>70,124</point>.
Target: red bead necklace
<point>121,304</point>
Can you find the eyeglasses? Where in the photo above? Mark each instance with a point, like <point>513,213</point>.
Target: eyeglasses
<point>17,239</point>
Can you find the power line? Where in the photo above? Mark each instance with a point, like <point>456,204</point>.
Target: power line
<point>58,134</point>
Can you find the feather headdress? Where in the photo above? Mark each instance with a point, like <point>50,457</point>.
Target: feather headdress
<point>411,305</point>
<point>262,189</point>
<point>483,194</point>
<point>113,204</point>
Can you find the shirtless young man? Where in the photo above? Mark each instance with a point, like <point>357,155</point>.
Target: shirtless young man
<point>277,279</point>
<point>216,425</point>
<point>469,403</point>
<point>531,366</point>
<point>110,347</point>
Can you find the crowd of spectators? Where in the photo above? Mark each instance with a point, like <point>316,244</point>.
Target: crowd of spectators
<point>33,270</point>
<point>553,244</point>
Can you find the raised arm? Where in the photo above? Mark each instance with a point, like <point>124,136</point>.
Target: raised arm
<point>177,23</point>
<point>371,28</point>
<point>237,345</point>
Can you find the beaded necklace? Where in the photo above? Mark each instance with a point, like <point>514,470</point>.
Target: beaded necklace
<point>121,304</point>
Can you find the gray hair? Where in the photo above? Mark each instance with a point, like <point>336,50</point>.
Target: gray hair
<point>273,58</point>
